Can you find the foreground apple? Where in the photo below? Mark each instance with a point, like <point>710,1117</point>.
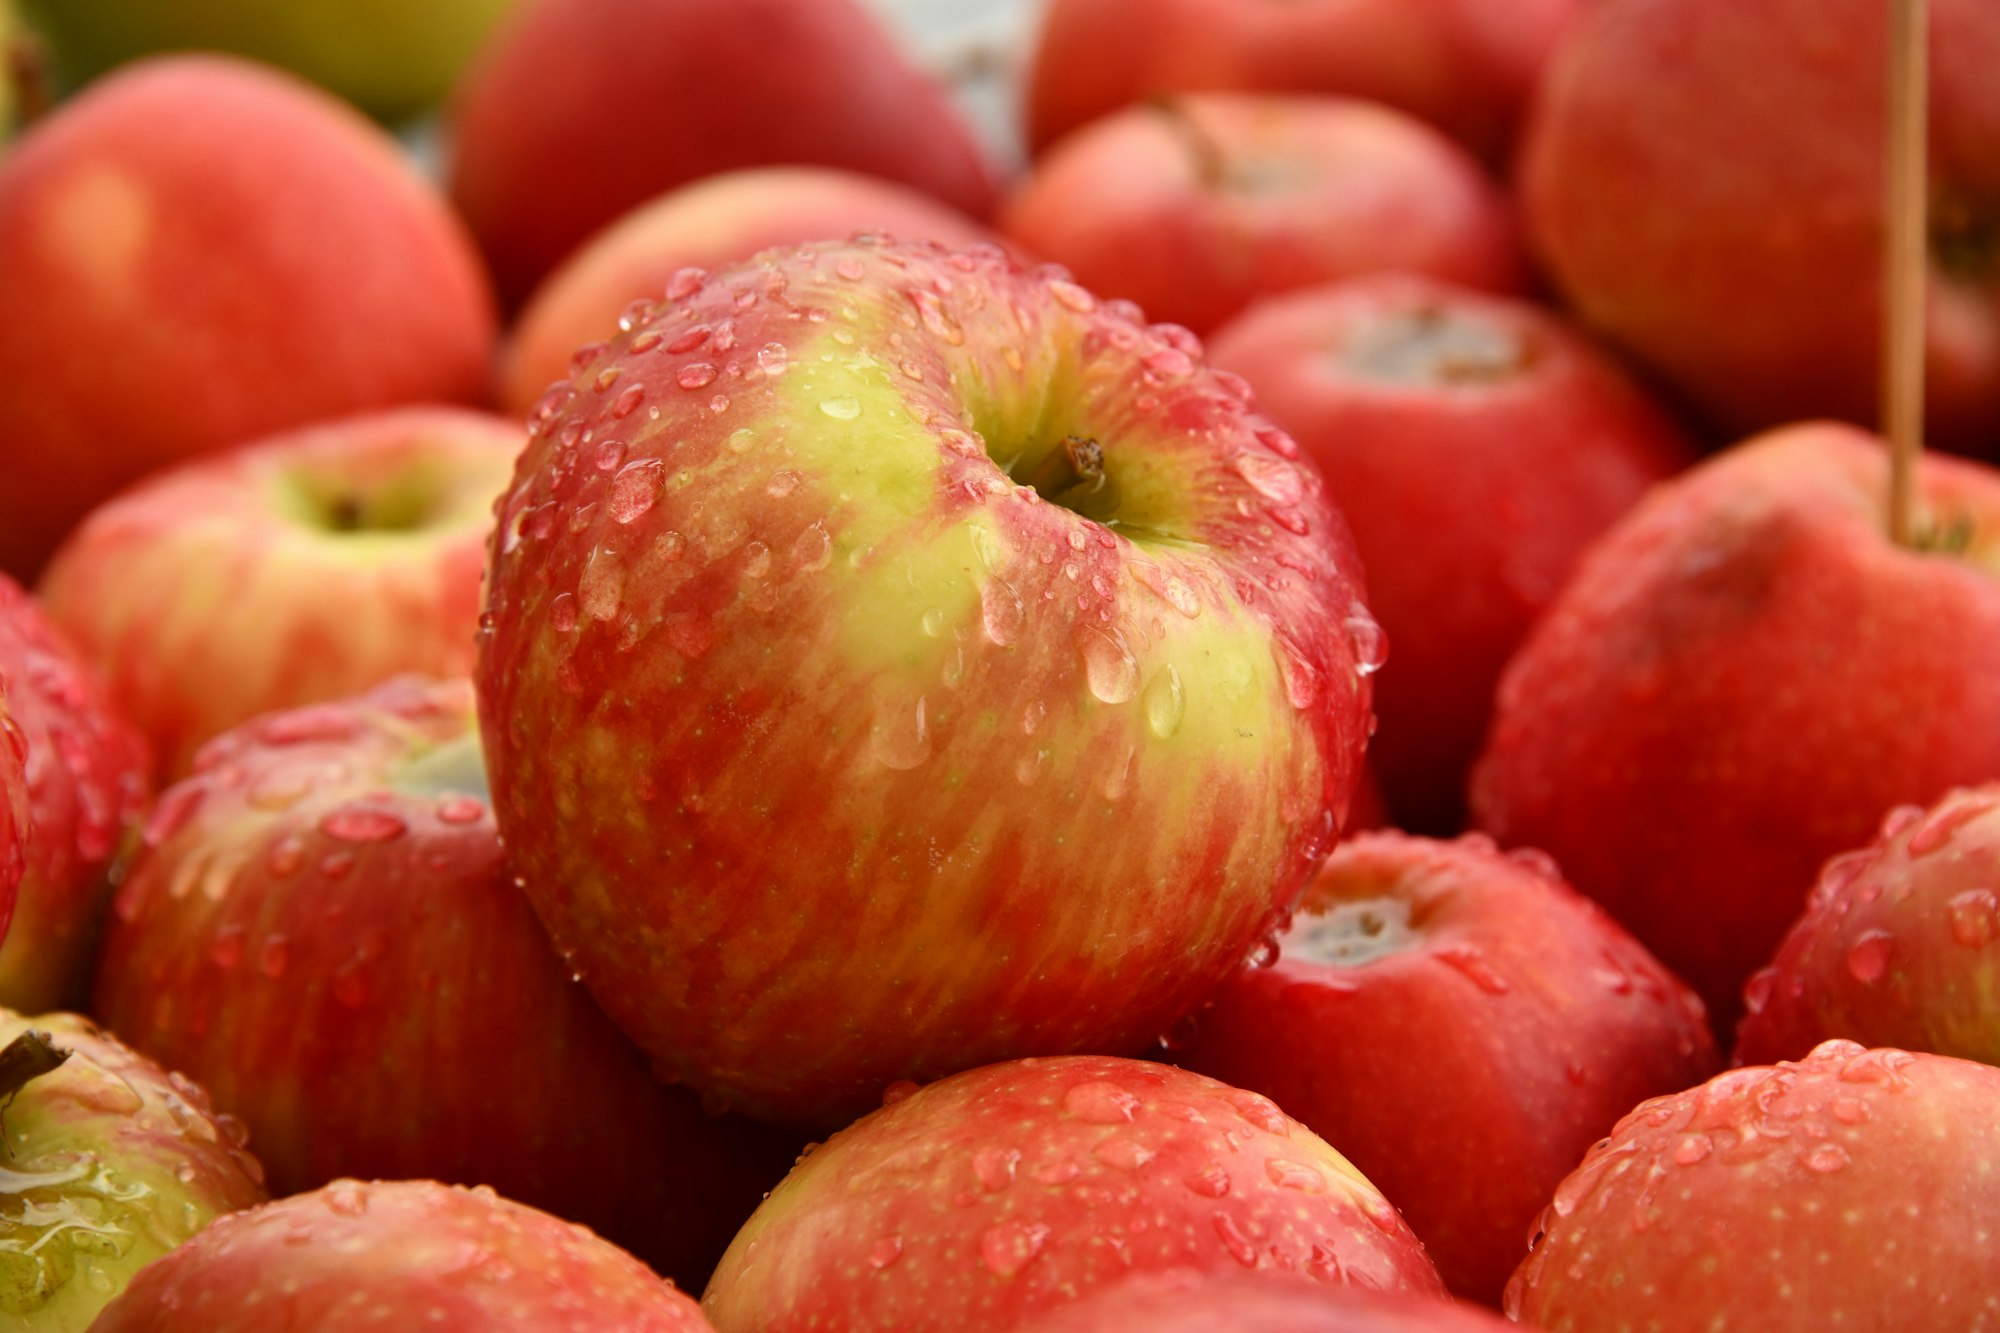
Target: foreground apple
<point>1241,196</point>
<point>199,251</point>
<point>1463,1025</point>
<point>1896,946</point>
<point>981,1201</point>
<point>111,1162</point>
<point>1725,223</point>
<point>1477,446</point>
<point>324,932</point>
<point>394,1256</point>
<point>305,568</point>
<point>85,771</point>
<point>717,220</point>
<point>1741,678</point>
<point>897,662</point>
<point>1187,1301</point>
<point>1854,1189</point>
<point>13,808</point>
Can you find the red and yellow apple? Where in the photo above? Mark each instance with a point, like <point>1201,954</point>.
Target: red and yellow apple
<point>1188,1301</point>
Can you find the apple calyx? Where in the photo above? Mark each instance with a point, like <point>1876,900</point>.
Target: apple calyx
<point>1430,344</point>
<point>338,506</point>
<point>1352,934</point>
<point>1211,163</point>
<point>25,1059</point>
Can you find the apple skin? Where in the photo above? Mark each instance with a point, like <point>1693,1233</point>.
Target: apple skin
<point>713,222</point>
<point>1740,678</point>
<point>1241,196</point>
<point>1725,224</point>
<point>1393,382</point>
<point>1853,1189</point>
<point>1464,66</point>
<point>324,931</point>
<point>745,84</point>
<point>304,568</point>
<point>985,1199</point>
<point>111,1162</point>
<point>1194,1302</point>
<point>13,808</point>
<point>84,766</point>
<point>198,251</point>
<point>831,754</point>
<point>397,1255</point>
<point>1467,1049</point>
<point>1895,947</point>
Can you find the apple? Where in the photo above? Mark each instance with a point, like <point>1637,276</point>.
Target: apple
<point>985,1199</point>
<point>579,110</point>
<point>1194,1302</point>
<point>1464,1025</point>
<point>304,568</point>
<point>896,661</point>
<point>396,1255</point>
<point>1853,1189</point>
<point>84,770</point>
<point>392,58</point>
<point>1477,445</point>
<point>1465,66</point>
<point>1742,675</point>
<point>1895,947</point>
<point>324,931</point>
<point>110,1163</point>
<point>715,221</point>
<point>14,827</point>
<point>1241,196</point>
<point>198,251</point>
<point>1725,224</point>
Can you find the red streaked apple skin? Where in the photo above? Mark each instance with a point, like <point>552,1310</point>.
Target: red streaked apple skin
<point>830,755</point>
<point>1899,944</point>
<point>84,767</point>
<point>1725,224</point>
<point>398,1255</point>
<point>1740,678</point>
<point>225,588</point>
<point>995,1195</point>
<point>1495,1027</point>
<point>13,808</point>
<point>111,1162</point>
<point>1195,1302</point>
<point>323,930</point>
<point>713,222</point>
<point>1240,196</point>
<point>1394,382</point>
<point>1853,1189</point>
<point>198,251</point>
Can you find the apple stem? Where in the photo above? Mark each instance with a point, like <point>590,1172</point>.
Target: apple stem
<point>25,1059</point>
<point>1077,461</point>
<point>1211,165</point>
<point>1903,264</point>
<point>24,63</point>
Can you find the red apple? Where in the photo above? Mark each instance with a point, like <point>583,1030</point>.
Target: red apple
<point>1477,446</point>
<point>1704,181</point>
<point>984,1200</point>
<point>85,773</point>
<point>110,1163</point>
<point>324,931</point>
<point>579,110</point>
<point>1240,196</point>
<point>198,251</point>
<point>1195,1302</point>
<point>897,661</point>
<point>715,221</point>
<point>1895,947</point>
<point>1466,66</point>
<point>1854,1189</point>
<point>13,808</point>
<point>1741,677</point>
<point>1464,1026</point>
<point>306,568</point>
<point>395,1256</point>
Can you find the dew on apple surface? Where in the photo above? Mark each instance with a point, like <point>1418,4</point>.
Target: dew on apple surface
<point>841,409</point>
<point>900,738</point>
<point>1165,702</point>
<point>1975,918</point>
<point>1110,669</point>
<point>1868,958</point>
<point>362,824</point>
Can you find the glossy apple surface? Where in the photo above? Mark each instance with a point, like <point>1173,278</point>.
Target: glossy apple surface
<point>1189,1301</point>
<point>897,661</point>
<point>324,931</point>
<point>1478,445</point>
<point>992,1196</point>
<point>1463,1025</point>
<point>1742,676</point>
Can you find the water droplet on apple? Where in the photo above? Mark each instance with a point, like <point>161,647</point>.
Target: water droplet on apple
<point>1165,702</point>
<point>1211,1182</point>
<point>1694,1148</point>
<point>1366,636</point>
<point>694,336</point>
<point>362,824</point>
<point>628,400</point>
<point>1100,1102</point>
<point>1123,1152</point>
<point>1234,1241</point>
<point>696,375</point>
<point>1300,680</point>
<point>812,548</point>
<point>634,490</point>
<point>995,1167</point>
<point>227,950</point>
<point>646,341</point>
<point>459,808</point>
<point>1472,963</point>
<point>173,811</point>
<point>1272,478</point>
<point>1108,665</point>
<point>287,854</point>
<point>1868,958</point>
<point>1000,611</point>
<point>1826,1158</point>
<point>901,737</point>
<point>936,318</point>
<point>273,957</point>
<point>933,622</point>
<point>1011,1246</point>
<point>1974,917</point>
<point>773,359</point>
<point>602,585</point>
<point>841,409</point>
<point>1300,1176</point>
<point>885,1252</point>
<point>1071,296</point>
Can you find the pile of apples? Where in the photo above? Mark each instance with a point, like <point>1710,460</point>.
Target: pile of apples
<point>670,685</point>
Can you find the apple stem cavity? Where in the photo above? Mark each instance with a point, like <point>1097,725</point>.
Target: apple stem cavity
<point>25,1059</point>
<point>1903,264</point>
<point>1077,461</point>
<point>1211,164</point>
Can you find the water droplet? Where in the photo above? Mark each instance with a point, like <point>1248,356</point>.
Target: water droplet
<point>1272,478</point>
<point>1975,917</point>
<point>900,1090</point>
<point>901,736</point>
<point>1165,702</point>
<point>812,548</point>
<point>696,375</point>
<point>1849,1110</point>
<point>1369,642</point>
<point>286,856</point>
<point>606,378</point>
<point>1694,1148</point>
<point>1826,1158</point>
<point>1101,1103</point>
<point>227,950</point>
<point>695,336</point>
<point>1108,665</point>
<point>841,409</point>
<point>885,1252</point>
<point>1073,297</point>
<point>1211,1182</point>
<point>303,726</point>
<point>773,359</point>
<point>273,957</point>
<point>1011,1246</point>
<point>1868,959</point>
<point>1000,611</point>
<point>1295,1176</point>
<point>995,1167</point>
<point>362,824</point>
<point>634,490</point>
<point>1262,1112</point>
<point>1125,1153</point>
<point>349,1198</point>
<point>1233,1240</point>
<point>1032,715</point>
<point>602,585</point>
<point>628,401</point>
<point>1470,961</point>
<point>1301,681</point>
<point>562,612</point>
<point>458,808</point>
<point>337,865</point>
<point>172,812</point>
<point>936,318</point>
<point>646,341</point>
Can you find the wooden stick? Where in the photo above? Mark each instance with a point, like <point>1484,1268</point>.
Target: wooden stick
<point>1903,263</point>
